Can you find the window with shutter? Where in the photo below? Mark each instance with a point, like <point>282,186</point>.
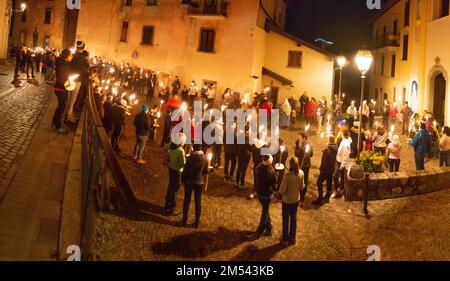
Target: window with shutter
<point>295,59</point>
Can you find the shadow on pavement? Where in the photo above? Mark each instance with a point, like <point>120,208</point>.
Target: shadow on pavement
<point>201,244</point>
<point>253,253</point>
<point>147,213</point>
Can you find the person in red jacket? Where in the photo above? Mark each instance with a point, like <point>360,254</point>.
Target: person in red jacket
<point>267,106</point>
<point>311,110</point>
<point>393,114</point>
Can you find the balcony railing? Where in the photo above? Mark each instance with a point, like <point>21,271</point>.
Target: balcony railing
<point>208,8</point>
<point>390,40</point>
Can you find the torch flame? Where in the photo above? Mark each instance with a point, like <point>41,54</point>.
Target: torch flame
<point>73,77</point>
<point>307,128</point>
<point>307,148</point>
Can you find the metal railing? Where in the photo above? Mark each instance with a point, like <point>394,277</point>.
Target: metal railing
<point>390,40</point>
<point>208,7</point>
<point>103,183</point>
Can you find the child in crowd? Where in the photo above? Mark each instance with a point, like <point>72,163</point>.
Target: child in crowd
<point>394,149</point>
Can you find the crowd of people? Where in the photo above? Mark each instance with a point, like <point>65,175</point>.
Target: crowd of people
<point>284,175</point>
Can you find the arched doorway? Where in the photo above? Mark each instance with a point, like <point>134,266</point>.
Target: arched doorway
<point>440,86</point>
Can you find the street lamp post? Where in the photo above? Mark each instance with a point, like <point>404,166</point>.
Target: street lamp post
<point>363,61</point>
<point>22,9</point>
<point>341,61</point>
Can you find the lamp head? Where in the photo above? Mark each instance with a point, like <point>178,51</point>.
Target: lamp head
<point>341,61</point>
<point>364,60</point>
<point>23,7</point>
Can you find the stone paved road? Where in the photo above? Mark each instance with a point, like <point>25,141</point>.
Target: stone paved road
<point>20,110</point>
<point>33,162</point>
<point>413,228</point>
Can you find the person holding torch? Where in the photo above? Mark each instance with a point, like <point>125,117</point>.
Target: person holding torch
<point>62,75</point>
<point>142,124</point>
<point>304,152</point>
<point>197,166</point>
<point>327,166</point>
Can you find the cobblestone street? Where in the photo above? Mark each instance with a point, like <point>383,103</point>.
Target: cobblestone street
<point>32,170</point>
<point>414,228</point>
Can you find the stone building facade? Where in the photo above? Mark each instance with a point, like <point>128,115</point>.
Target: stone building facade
<point>237,44</point>
<point>411,43</point>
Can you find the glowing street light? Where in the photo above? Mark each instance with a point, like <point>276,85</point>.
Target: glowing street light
<point>23,7</point>
<point>363,61</point>
<point>341,61</point>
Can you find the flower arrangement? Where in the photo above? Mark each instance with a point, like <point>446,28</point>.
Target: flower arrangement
<point>372,162</point>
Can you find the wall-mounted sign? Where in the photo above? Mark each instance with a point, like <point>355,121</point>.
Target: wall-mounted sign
<point>134,54</point>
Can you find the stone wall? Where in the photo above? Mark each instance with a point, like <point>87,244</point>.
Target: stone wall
<point>394,185</point>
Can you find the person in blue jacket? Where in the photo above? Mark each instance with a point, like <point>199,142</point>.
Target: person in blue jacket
<point>420,144</point>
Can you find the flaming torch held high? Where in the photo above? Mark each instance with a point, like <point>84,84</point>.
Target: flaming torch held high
<point>307,128</point>
<point>210,156</point>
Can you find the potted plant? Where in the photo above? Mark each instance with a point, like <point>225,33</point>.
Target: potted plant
<point>371,162</point>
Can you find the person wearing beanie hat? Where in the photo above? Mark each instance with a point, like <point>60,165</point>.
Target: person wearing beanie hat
<point>80,65</point>
<point>265,186</point>
<point>80,45</point>
<point>142,124</point>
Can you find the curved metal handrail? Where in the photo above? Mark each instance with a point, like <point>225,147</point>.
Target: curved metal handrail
<point>116,170</point>
<point>99,164</point>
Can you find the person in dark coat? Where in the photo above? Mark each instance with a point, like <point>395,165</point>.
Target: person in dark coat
<point>304,100</point>
<point>118,118</point>
<point>281,158</point>
<point>176,85</point>
<point>30,63</point>
<point>304,152</point>
<point>63,70</point>
<point>257,159</point>
<point>265,186</point>
<point>154,122</point>
<point>167,128</point>
<point>193,178</point>
<point>20,60</point>
<point>81,97</point>
<point>108,114</point>
<point>327,168</point>
<point>230,150</point>
<point>185,94</point>
<point>142,125</point>
<point>37,61</point>
<point>244,155</point>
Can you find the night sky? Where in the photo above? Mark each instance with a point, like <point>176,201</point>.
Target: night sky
<point>344,22</point>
